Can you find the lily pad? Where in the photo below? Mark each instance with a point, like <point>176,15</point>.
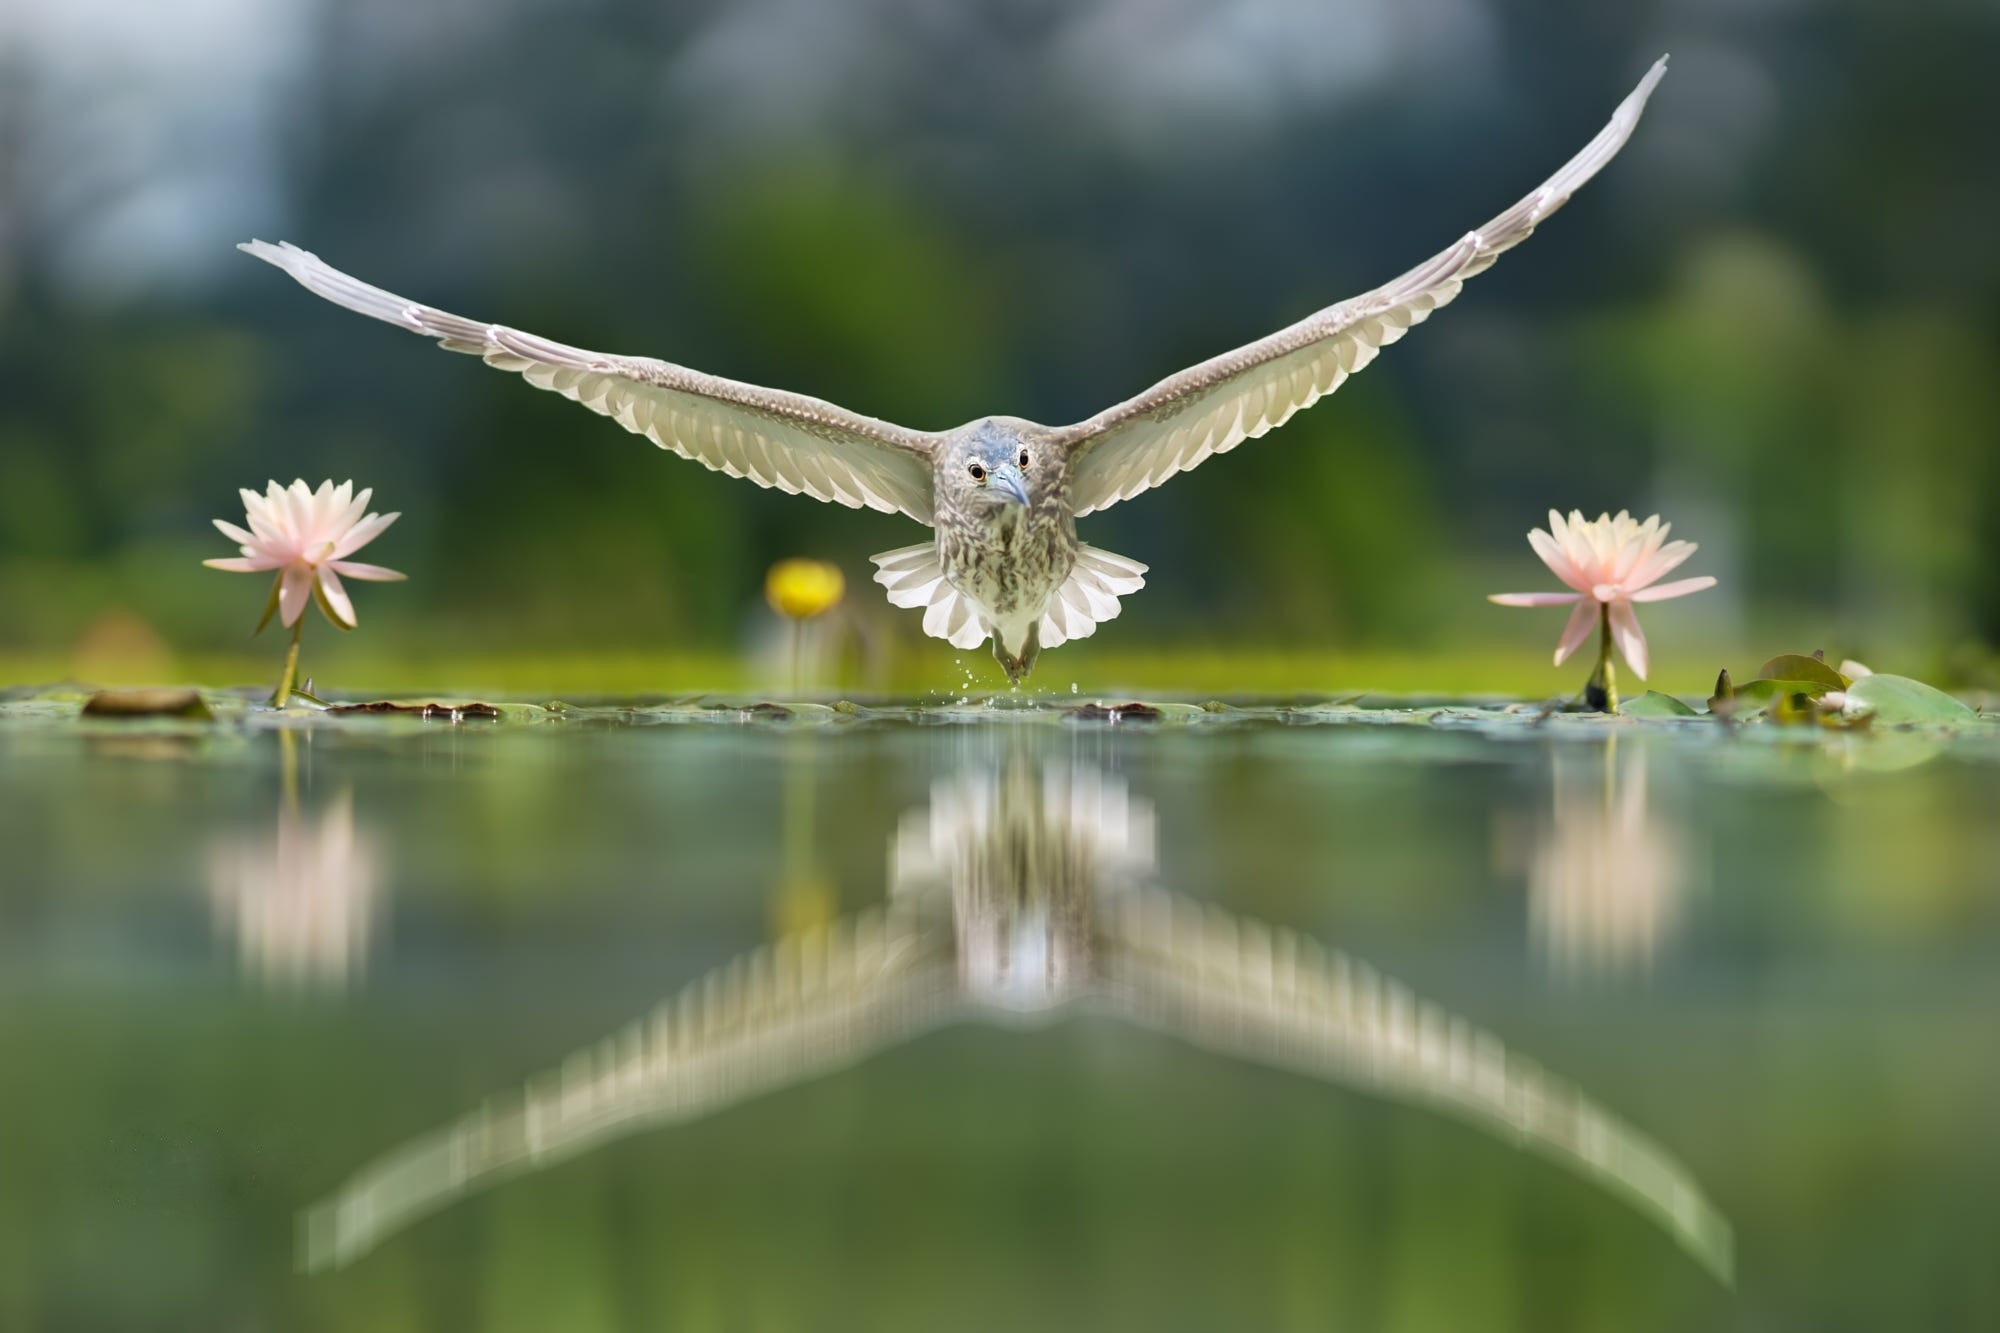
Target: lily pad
<point>1898,700</point>
<point>1780,698</point>
<point>429,711</point>
<point>1654,704</point>
<point>1115,713</point>
<point>1797,666</point>
<point>148,703</point>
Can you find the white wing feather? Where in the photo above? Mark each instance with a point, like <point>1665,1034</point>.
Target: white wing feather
<point>797,444</point>
<point>1215,406</point>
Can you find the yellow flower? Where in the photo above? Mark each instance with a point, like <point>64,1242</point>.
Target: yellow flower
<point>801,589</point>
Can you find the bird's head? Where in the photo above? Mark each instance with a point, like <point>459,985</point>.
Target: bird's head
<point>994,467</point>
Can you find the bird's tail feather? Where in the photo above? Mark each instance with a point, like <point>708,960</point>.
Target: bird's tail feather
<point>913,577</point>
<point>1089,595</point>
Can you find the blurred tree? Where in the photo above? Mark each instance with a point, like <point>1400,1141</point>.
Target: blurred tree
<point>934,214</point>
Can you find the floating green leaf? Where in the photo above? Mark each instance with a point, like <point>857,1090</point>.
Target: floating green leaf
<point>1654,704</point>
<point>1763,694</point>
<point>1797,666</point>
<point>1900,700</point>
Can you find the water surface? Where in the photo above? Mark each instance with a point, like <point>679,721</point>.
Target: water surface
<point>1220,1020</point>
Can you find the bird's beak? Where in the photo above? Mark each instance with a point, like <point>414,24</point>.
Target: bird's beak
<point>1011,485</point>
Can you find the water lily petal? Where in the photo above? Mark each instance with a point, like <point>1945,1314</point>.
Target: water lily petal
<point>351,513</point>
<point>1640,542</point>
<point>1678,588</point>
<point>358,536</point>
<point>234,533</point>
<point>298,507</point>
<point>1575,539</point>
<point>293,593</point>
<point>1625,632</point>
<point>1664,560</point>
<point>263,519</point>
<point>243,564</point>
<point>354,569</point>
<point>1582,624</point>
<point>1596,539</point>
<point>329,505</point>
<point>1555,558</point>
<point>1533,598</point>
<point>333,600</point>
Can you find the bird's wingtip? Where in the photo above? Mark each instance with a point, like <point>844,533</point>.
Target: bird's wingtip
<point>264,250</point>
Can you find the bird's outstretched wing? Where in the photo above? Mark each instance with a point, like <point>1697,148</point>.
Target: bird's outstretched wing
<point>1212,407</point>
<point>798,444</point>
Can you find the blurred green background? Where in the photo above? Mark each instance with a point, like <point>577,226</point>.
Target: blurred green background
<point>1773,319</point>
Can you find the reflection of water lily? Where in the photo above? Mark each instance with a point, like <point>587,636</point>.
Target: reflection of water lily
<point>1606,878</point>
<point>306,536</point>
<point>1609,564</point>
<point>299,906</point>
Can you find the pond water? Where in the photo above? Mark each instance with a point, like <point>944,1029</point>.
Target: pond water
<point>705,1018</point>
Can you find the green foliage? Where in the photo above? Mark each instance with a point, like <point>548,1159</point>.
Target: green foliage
<point>1795,688</point>
<point>1800,669</point>
<point>933,261</point>
<point>1898,700</point>
<point>1654,704</point>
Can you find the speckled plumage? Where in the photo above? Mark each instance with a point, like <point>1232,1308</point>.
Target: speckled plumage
<point>1004,561</point>
<point>1008,556</point>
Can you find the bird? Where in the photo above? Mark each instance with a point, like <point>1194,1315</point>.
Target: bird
<point>1000,494</point>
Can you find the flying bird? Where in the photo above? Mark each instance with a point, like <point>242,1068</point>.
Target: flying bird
<point>1000,494</point>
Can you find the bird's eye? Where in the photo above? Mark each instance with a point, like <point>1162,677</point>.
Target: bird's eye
<point>978,472</point>
<point>1024,458</point>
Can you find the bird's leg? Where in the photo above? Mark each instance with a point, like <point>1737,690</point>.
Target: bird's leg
<point>1030,650</point>
<point>1017,668</point>
<point>1013,666</point>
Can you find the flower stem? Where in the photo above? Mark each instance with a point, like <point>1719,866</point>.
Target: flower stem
<point>291,674</point>
<point>1602,691</point>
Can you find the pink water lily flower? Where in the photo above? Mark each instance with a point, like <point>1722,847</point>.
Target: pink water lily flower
<point>1611,564</point>
<point>307,535</point>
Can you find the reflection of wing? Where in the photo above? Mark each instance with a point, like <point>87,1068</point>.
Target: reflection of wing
<point>808,1004</point>
<point>1213,407</point>
<point>1249,991</point>
<point>787,440</point>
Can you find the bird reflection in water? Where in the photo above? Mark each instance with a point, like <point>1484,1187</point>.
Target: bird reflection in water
<point>301,904</point>
<point>1607,872</point>
<point>1022,888</point>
